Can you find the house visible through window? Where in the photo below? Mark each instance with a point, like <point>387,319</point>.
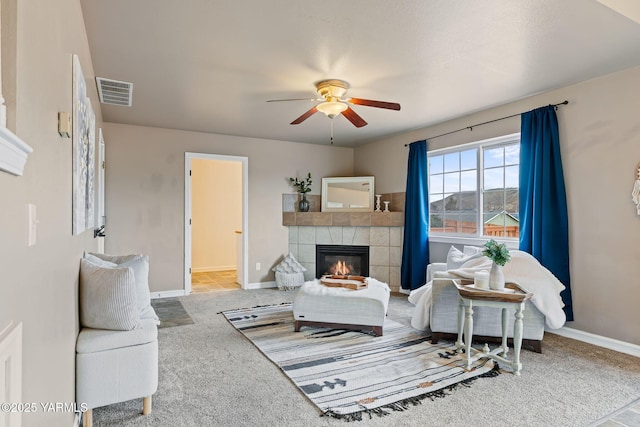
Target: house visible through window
<point>473,189</point>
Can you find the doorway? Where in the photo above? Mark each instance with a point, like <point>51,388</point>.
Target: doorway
<point>216,221</point>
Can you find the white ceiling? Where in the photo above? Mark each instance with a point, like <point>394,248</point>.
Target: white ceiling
<point>211,65</point>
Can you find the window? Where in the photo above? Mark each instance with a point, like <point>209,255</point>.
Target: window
<point>473,189</point>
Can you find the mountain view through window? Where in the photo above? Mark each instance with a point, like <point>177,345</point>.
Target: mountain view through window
<point>473,191</point>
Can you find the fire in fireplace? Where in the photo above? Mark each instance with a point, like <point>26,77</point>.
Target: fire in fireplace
<point>342,259</point>
<point>341,267</point>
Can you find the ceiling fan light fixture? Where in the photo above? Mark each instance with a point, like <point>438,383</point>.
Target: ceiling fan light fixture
<point>332,92</point>
<point>332,109</point>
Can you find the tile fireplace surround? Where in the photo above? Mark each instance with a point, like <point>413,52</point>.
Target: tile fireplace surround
<point>382,232</point>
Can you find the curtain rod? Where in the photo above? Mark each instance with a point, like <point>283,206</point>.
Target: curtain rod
<point>484,123</point>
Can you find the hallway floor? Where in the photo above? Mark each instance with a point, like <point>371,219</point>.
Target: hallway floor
<point>213,281</point>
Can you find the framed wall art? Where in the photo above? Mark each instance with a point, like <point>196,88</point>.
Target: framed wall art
<point>83,152</point>
<point>91,167</point>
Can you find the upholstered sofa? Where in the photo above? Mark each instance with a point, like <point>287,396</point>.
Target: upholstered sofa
<point>443,315</point>
<point>117,347</point>
<point>486,320</point>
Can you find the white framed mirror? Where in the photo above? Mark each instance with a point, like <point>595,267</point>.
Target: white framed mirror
<point>347,194</point>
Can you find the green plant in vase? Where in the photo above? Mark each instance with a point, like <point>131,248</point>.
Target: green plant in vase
<point>499,254</point>
<point>496,252</point>
<point>303,186</point>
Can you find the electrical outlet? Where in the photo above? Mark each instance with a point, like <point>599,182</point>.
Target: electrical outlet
<point>258,266</point>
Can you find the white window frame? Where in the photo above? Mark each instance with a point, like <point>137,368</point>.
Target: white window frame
<point>477,239</point>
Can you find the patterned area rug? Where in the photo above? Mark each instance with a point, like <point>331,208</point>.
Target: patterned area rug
<point>348,374</point>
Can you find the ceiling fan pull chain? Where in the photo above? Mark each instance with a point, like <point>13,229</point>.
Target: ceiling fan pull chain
<point>331,131</point>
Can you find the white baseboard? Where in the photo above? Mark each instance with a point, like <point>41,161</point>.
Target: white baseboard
<point>261,285</point>
<point>404,291</point>
<point>599,340</point>
<point>181,292</point>
<point>168,294</point>
<point>207,269</point>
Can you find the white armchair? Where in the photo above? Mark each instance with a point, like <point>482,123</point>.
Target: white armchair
<point>117,348</point>
<point>443,315</point>
<point>116,366</point>
<point>486,320</point>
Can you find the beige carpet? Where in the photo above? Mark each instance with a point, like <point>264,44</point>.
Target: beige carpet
<point>211,375</point>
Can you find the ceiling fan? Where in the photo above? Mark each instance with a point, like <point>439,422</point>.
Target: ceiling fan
<point>331,93</point>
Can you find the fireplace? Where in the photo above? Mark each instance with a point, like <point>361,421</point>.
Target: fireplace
<point>342,259</point>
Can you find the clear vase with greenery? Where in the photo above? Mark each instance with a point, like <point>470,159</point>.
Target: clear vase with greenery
<point>303,186</point>
<point>499,254</point>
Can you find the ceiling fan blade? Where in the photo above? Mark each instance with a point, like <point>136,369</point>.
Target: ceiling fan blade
<point>295,99</point>
<point>305,116</point>
<point>378,104</point>
<point>354,118</point>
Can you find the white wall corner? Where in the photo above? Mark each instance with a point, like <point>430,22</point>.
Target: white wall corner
<point>600,341</point>
<point>13,152</point>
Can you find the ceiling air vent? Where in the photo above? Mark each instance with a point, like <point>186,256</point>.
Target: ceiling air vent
<point>114,92</point>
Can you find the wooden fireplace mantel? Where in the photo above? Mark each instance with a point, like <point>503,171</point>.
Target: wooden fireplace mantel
<point>292,217</point>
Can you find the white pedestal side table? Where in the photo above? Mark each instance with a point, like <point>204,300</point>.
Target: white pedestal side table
<point>513,296</point>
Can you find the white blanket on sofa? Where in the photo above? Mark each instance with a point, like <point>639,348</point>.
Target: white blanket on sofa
<point>522,269</point>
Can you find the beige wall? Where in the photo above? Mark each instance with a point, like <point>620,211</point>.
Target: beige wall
<point>145,193</point>
<point>216,212</point>
<point>600,143</point>
<point>39,284</point>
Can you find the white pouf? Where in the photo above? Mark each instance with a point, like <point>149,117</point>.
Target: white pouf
<point>289,281</point>
<point>341,308</point>
<point>289,273</point>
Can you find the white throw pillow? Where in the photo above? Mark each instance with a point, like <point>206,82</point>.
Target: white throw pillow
<point>108,297</point>
<point>471,250</point>
<point>140,266</point>
<point>98,261</point>
<point>116,259</point>
<point>455,258</point>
